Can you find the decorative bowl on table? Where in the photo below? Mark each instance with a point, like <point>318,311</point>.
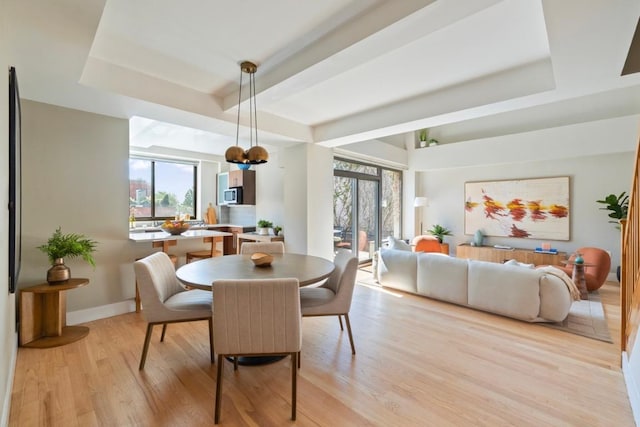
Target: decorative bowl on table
<point>175,227</point>
<point>261,259</point>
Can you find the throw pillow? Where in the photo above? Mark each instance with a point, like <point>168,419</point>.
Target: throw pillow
<point>398,244</point>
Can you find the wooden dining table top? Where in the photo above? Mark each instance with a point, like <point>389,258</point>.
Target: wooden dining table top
<point>202,274</point>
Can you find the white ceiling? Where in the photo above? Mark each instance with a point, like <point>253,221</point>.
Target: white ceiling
<point>332,72</point>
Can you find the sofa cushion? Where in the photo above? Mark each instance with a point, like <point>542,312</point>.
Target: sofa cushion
<point>504,289</point>
<point>398,269</point>
<point>442,277</point>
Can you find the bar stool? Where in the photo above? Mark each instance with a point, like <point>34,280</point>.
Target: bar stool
<point>207,253</point>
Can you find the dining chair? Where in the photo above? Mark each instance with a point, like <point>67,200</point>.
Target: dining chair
<point>257,318</point>
<point>138,302</point>
<point>333,297</point>
<point>166,301</point>
<point>206,253</point>
<point>250,248</point>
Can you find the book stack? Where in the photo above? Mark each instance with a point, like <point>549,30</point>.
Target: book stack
<point>546,251</point>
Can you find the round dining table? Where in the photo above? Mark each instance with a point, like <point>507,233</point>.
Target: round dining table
<point>202,274</point>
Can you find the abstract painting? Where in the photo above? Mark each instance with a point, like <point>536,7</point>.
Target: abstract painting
<point>527,208</point>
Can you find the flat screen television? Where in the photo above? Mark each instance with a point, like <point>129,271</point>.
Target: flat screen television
<point>15,182</point>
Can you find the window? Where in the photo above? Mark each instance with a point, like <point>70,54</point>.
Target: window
<point>161,189</point>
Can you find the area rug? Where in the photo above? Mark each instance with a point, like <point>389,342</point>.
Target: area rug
<point>586,318</point>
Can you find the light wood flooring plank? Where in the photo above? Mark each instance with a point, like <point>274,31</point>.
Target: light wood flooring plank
<point>420,362</point>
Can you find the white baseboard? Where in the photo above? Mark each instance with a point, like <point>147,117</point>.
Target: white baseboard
<point>6,405</point>
<point>632,389</point>
<point>100,312</point>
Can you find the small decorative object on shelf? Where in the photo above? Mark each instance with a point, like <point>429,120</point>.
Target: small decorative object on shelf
<point>276,230</point>
<point>478,238</point>
<point>60,246</point>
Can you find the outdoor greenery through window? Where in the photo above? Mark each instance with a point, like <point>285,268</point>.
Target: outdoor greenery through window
<point>367,198</point>
<point>161,189</point>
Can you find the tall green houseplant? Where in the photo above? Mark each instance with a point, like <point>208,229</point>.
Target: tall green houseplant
<point>618,207</point>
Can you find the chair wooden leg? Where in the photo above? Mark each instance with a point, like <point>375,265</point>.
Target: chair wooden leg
<point>138,304</point>
<point>145,348</point>
<point>164,330</point>
<point>299,359</point>
<point>340,320</point>
<point>294,382</point>
<point>213,356</point>
<point>346,319</point>
<point>218,390</point>
<point>235,363</point>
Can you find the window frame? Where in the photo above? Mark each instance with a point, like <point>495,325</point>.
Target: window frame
<point>371,177</point>
<point>153,161</point>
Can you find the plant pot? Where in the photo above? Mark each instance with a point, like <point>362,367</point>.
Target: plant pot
<point>58,272</point>
<point>263,231</point>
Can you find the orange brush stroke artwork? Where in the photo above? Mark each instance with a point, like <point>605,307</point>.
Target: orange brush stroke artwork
<point>536,208</point>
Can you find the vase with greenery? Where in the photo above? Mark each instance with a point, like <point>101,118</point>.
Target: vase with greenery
<point>276,230</point>
<point>423,136</point>
<point>71,245</point>
<point>439,231</point>
<point>264,226</point>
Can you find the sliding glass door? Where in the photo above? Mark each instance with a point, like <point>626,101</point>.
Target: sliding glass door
<point>363,212</point>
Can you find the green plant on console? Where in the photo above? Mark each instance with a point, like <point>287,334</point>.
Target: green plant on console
<point>263,223</point>
<point>439,231</point>
<point>69,246</point>
<point>277,229</point>
<point>618,205</point>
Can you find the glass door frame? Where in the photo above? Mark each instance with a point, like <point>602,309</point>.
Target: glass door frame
<point>356,176</point>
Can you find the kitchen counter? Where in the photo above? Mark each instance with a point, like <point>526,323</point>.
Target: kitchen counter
<point>155,228</point>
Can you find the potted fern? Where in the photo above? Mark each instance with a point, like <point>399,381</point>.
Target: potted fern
<point>60,246</point>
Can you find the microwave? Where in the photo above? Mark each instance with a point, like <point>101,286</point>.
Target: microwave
<point>232,196</point>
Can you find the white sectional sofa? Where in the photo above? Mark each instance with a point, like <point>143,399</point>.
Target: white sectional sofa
<point>531,295</point>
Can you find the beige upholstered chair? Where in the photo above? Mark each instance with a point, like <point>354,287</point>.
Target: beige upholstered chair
<point>257,317</point>
<point>333,298</point>
<point>249,248</point>
<point>165,301</point>
<point>206,253</point>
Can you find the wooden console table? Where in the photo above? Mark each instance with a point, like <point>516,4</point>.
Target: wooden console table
<point>43,315</point>
<point>491,254</point>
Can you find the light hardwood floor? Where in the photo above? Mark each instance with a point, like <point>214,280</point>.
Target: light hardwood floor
<point>419,363</point>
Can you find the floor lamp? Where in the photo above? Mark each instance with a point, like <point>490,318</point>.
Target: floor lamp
<point>419,202</point>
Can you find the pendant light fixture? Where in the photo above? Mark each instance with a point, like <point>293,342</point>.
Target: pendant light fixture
<point>255,155</point>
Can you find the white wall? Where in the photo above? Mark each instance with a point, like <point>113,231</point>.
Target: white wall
<point>308,199</point>
<point>592,176</point>
<point>75,175</point>
<point>269,181</point>
<point>8,336</point>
